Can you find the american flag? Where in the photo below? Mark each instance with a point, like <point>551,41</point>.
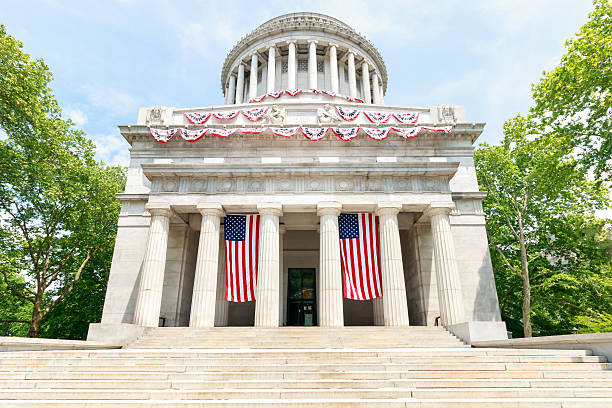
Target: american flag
<point>360,256</point>
<point>241,253</point>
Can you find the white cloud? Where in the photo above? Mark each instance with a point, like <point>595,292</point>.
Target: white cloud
<point>77,116</point>
<point>109,99</point>
<point>112,148</point>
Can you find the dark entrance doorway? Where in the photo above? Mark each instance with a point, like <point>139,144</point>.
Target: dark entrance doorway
<point>301,299</point>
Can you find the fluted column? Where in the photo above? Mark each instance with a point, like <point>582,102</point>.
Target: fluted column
<point>447,274</point>
<point>291,66</point>
<point>365,82</point>
<point>271,68</point>
<point>240,84</point>
<point>148,303</point>
<point>352,77</point>
<point>266,295</point>
<point>282,302</point>
<point>231,92</point>
<point>312,64</point>
<point>204,296</point>
<point>375,89</point>
<point>253,79</point>
<point>394,288</point>
<point>333,67</point>
<point>330,270</point>
<point>382,94</point>
<point>379,313</point>
<point>221,307</point>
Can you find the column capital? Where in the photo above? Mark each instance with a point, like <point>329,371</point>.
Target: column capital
<point>313,42</point>
<point>332,44</point>
<point>439,208</point>
<point>211,209</point>
<point>388,208</point>
<point>350,52</point>
<point>270,208</point>
<point>291,42</point>
<point>158,208</point>
<point>329,207</point>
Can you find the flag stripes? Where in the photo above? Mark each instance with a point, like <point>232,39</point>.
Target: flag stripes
<point>241,256</point>
<point>360,256</point>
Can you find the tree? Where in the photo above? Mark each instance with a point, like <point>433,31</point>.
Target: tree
<point>57,203</point>
<point>573,102</point>
<point>542,235</point>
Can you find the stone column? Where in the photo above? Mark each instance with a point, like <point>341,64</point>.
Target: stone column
<point>312,64</point>
<point>333,67</point>
<point>352,77</point>
<point>375,89</point>
<point>222,304</point>
<point>330,269</point>
<point>282,300</point>
<point>365,82</point>
<point>240,84</point>
<point>382,95</point>
<point>231,93</point>
<point>447,274</point>
<point>148,303</point>
<point>394,288</point>
<point>291,66</point>
<point>266,294</point>
<point>271,68</point>
<point>253,80</point>
<point>379,313</point>
<point>207,267</point>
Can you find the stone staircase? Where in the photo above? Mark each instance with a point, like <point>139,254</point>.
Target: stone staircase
<point>304,367</point>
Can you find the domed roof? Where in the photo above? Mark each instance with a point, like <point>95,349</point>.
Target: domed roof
<point>303,21</point>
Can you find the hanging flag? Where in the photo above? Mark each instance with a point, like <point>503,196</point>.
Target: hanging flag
<point>360,256</point>
<point>241,254</point>
<point>377,117</point>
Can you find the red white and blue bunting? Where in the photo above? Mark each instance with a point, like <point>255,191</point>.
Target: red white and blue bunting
<point>377,118</point>
<point>284,132</point>
<point>314,134</point>
<point>311,133</point>
<point>197,118</point>
<point>346,114</point>
<point>226,115</point>
<point>406,117</point>
<point>254,114</point>
<point>294,92</point>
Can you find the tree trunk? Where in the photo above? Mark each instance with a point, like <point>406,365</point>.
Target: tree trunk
<point>37,317</point>
<point>526,285</point>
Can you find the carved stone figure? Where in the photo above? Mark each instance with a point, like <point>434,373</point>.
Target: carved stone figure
<point>326,115</point>
<point>155,116</point>
<point>275,115</point>
<point>446,114</point>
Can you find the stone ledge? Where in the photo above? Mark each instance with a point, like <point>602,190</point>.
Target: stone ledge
<point>27,344</point>
<point>598,343</point>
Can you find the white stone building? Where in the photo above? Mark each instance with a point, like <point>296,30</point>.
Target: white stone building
<point>168,266</point>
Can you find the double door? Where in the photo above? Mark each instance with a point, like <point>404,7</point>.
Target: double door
<point>301,297</point>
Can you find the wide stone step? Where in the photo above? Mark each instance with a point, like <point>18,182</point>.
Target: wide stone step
<point>307,384</point>
<point>329,359</point>
<point>288,375</point>
<point>301,375</point>
<point>331,403</point>
<point>424,351</point>
<point>315,393</point>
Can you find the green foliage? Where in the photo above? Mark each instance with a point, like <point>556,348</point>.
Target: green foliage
<point>540,204</point>
<point>574,100</point>
<point>58,209</point>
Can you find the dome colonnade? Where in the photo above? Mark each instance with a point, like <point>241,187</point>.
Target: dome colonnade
<point>315,52</point>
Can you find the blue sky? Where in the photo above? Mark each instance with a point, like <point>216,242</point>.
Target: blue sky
<point>110,57</point>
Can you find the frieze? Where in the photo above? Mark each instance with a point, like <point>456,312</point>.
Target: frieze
<point>330,184</point>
